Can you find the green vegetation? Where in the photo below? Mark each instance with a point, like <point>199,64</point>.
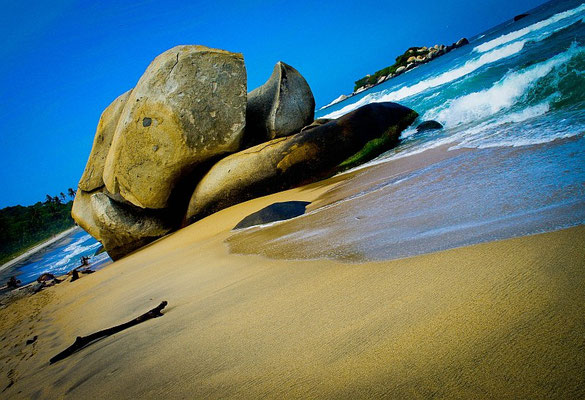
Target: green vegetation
<point>23,227</point>
<point>401,61</point>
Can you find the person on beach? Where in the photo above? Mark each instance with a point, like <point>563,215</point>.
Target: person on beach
<point>13,283</point>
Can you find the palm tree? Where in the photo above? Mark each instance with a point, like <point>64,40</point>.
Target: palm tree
<point>62,195</point>
<point>71,193</point>
<point>48,199</point>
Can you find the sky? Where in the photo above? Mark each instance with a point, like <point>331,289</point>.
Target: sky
<point>64,62</point>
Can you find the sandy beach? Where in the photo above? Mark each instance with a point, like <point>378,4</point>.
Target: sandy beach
<point>496,320</point>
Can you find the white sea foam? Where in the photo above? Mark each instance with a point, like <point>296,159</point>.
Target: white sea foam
<point>512,36</point>
<point>502,95</point>
<point>446,77</point>
<point>494,118</point>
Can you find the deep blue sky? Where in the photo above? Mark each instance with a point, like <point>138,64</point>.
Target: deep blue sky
<point>63,62</point>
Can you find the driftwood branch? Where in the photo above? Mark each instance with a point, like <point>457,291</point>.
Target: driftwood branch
<point>84,341</point>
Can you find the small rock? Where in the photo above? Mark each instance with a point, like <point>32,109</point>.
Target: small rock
<point>520,16</point>
<point>31,341</point>
<point>429,126</point>
<point>274,212</point>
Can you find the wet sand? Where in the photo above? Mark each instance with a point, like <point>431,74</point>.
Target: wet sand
<point>496,320</point>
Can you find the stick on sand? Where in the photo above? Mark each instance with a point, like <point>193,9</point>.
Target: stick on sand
<point>83,341</point>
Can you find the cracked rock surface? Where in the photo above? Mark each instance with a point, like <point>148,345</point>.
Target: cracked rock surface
<point>188,107</point>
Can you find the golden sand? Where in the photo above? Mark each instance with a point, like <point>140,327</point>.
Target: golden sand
<point>496,320</point>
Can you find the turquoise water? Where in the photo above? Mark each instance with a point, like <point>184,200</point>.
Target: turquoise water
<point>512,151</point>
<point>63,257</point>
<point>518,84</point>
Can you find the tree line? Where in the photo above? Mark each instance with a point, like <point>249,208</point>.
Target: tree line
<point>23,227</point>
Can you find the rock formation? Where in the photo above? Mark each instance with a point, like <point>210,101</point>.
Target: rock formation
<point>520,16</point>
<point>280,107</point>
<point>308,156</point>
<point>156,159</point>
<point>94,169</point>
<point>188,107</point>
<point>119,227</point>
<point>411,58</point>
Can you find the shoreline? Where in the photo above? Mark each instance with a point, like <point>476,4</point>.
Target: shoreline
<point>38,248</point>
<point>248,325</point>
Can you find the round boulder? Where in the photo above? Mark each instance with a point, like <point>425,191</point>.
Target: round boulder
<point>188,107</point>
<point>123,228</point>
<point>281,106</point>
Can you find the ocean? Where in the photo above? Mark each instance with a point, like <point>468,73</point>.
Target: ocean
<point>512,103</point>
<point>509,162</point>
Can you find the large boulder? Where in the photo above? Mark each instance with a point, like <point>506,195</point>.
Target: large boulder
<point>287,162</point>
<point>124,228</point>
<point>280,107</point>
<point>187,108</point>
<point>120,227</point>
<point>94,169</point>
<point>82,213</point>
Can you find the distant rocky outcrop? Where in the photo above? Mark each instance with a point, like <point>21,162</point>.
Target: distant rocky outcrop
<point>161,153</point>
<point>308,156</point>
<point>411,58</point>
<point>280,107</point>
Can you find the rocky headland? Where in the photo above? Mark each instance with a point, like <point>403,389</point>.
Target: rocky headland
<point>411,58</point>
<point>189,140</point>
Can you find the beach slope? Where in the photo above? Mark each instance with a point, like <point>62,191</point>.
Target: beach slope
<point>495,320</point>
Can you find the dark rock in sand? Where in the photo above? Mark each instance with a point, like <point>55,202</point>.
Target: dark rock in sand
<point>274,212</point>
<point>32,340</point>
<point>306,157</point>
<point>429,126</point>
<point>281,106</point>
<point>46,277</point>
<point>520,16</point>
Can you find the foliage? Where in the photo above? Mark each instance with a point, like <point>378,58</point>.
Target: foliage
<point>22,227</point>
<point>401,61</point>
